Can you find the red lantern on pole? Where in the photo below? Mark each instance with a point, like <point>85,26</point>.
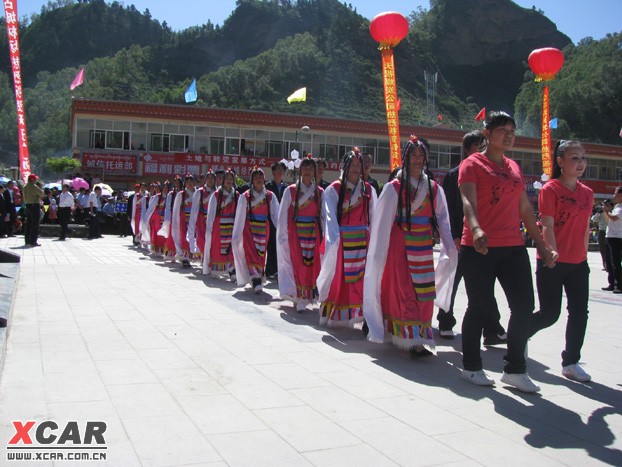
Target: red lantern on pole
<point>546,63</point>
<point>388,29</point>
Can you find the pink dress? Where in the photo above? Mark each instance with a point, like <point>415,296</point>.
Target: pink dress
<point>343,306</point>
<point>183,247</point>
<point>299,244</point>
<point>408,289</point>
<point>221,254</point>
<point>138,207</point>
<point>155,223</point>
<point>256,234</point>
<point>401,284</point>
<point>201,217</point>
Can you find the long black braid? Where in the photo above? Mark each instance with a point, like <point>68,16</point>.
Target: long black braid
<point>347,163</point>
<point>405,197</point>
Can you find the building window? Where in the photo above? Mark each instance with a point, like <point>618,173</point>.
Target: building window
<point>97,139</point>
<point>328,152</point>
<point>217,145</point>
<point>178,143</point>
<point>233,146</point>
<point>275,148</point>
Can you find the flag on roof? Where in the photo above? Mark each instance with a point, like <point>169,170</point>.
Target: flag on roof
<point>298,96</point>
<point>191,92</point>
<point>78,80</point>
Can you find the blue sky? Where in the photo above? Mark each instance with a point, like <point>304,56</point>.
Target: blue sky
<point>575,18</point>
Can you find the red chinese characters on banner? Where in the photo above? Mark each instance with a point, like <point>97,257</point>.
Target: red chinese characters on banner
<point>170,165</point>
<point>10,14</point>
<point>118,164</point>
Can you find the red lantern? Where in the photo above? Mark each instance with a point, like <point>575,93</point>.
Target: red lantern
<point>388,28</point>
<point>545,63</point>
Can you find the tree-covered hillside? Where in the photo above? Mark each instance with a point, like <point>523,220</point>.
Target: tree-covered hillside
<point>267,49</point>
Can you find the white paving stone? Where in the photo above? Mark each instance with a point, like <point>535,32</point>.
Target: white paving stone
<point>192,371</point>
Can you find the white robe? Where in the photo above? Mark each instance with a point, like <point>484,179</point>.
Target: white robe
<point>145,228</point>
<point>332,236</point>
<point>237,237</point>
<point>381,225</point>
<point>209,224</point>
<point>192,222</point>
<point>168,207</point>
<point>176,228</point>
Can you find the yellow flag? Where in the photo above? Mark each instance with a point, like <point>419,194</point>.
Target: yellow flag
<point>298,96</point>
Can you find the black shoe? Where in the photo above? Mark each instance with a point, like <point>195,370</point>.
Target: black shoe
<point>609,288</point>
<point>61,239</point>
<point>617,291</point>
<point>494,340</point>
<point>365,328</point>
<point>420,352</point>
<point>185,263</point>
<point>35,244</point>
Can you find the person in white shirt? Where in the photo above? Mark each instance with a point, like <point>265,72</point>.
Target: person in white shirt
<point>66,203</point>
<point>614,238</point>
<point>94,210</point>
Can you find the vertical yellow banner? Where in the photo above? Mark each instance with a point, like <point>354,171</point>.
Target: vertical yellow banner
<point>391,106</point>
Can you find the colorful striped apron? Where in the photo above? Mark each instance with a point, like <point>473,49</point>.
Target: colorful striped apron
<point>354,247</point>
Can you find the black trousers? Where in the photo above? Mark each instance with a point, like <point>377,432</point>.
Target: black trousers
<point>511,267</point>
<point>615,255</point>
<point>33,217</point>
<point>446,319</point>
<point>574,279</point>
<point>271,261</point>
<point>64,215</point>
<point>94,227</point>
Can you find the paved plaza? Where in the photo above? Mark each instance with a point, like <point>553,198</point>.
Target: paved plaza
<point>189,370</point>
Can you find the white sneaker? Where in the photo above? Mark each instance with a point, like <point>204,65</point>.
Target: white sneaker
<point>479,378</point>
<point>447,334</point>
<point>520,381</point>
<point>301,307</point>
<point>576,373</point>
<point>258,289</point>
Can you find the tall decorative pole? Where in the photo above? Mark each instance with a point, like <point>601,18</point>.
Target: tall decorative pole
<point>389,28</point>
<point>545,63</point>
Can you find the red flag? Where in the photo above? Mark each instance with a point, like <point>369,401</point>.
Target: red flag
<point>78,80</point>
<point>439,117</point>
<point>481,115</point>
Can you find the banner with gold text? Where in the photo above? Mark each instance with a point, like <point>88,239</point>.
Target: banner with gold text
<point>390,102</point>
<point>547,165</point>
<point>12,26</point>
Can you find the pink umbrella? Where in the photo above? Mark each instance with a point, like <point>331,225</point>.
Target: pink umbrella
<point>79,183</point>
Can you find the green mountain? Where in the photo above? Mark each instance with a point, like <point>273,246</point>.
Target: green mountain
<point>267,49</point>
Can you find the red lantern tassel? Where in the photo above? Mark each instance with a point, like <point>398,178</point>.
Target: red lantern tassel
<point>547,163</point>
<point>391,106</point>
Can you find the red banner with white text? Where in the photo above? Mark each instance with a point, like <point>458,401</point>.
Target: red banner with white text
<point>12,26</point>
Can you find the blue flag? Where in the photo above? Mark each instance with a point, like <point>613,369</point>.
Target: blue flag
<point>553,123</point>
<point>191,92</point>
